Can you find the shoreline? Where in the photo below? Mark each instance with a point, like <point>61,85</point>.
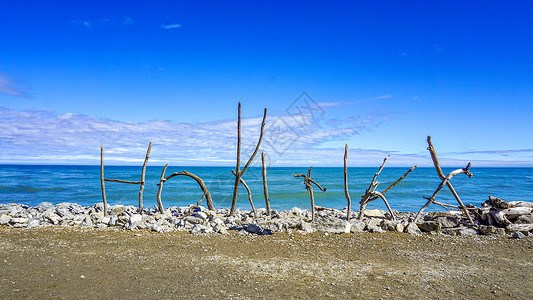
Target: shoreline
<point>491,219</point>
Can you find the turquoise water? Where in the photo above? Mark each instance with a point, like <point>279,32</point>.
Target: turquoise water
<point>31,185</point>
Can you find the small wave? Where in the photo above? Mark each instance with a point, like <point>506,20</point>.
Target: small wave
<point>28,189</point>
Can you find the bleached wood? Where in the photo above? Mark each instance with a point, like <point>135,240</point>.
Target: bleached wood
<point>102,181</point>
<point>160,189</point>
<point>265,186</point>
<point>200,182</point>
<point>249,193</point>
<point>346,194</point>
<point>141,189</point>
<point>307,182</point>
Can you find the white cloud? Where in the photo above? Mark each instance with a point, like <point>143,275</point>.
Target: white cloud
<point>383,97</point>
<point>171,26</point>
<point>8,87</point>
<point>41,136</point>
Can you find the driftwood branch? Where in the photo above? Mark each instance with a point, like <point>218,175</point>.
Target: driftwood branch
<point>249,193</point>
<point>238,171</point>
<point>141,182</point>
<point>307,182</point>
<point>446,181</point>
<point>371,194</point>
<point>159,202</point>
<point>102,180</point>
<point>265,187</point>
<point>141,189</point>
<point>199,180</point>
<point>346,194</point>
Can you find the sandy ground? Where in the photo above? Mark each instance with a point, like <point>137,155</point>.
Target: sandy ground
<point>48,263</point>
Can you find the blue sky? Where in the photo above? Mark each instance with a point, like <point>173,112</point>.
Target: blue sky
<point>377,75</point>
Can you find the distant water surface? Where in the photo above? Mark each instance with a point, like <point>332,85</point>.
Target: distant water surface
<point>33,184</point>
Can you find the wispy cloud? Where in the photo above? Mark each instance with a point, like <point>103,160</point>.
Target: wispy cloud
<point>170,26</point>
<point>42,136</point>
<point>8,87</point>
<point>382,97</point>
<point>105,22</point>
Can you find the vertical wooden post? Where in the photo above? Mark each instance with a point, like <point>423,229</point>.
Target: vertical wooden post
<point>143,178</point>
<point>238,167</point>
<point>102,181</point>
<point>346,183</point>
<point>161,181</point>
<point>265,187</point>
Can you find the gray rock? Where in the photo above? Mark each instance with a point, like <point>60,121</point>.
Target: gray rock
<point>33,223</point>
<point>447,221</point>
<point>220,228</point>
<point>194,220</point>
<point>487,230</point>
<point>357,225</point>
<point>202,215</point>
<point>4,219</point>
<point>135,218</point>
<point>374,225</point>
<point>118,210</point>
<point>412,228</point>
<point>87,222</point>
<point>19,220</point>
<point>52,217</point>
<point>332,225</point>
<point>198,228</point>
<point>428,226</point>
<point>518,235</point>
<point>252,228</point>
<point>466,232</point>
<point>105,220</point>
<point>307,227</point>
<point>525,219</point>
<point>374,213</point>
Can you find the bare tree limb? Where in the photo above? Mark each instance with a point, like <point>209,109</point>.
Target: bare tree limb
<point>396,182</point>
<point>238,171</point>
<point>102,180</point>
<point>265,187</point>
<point>249,193</point>
<point>123,181</point>
<point>307,182</point>
<point>346,194</point>
<point>141,189</point>
<point>161,181</point>
<point>200,182</point>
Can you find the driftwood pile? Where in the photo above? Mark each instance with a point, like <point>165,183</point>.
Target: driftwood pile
<point>495,216</point>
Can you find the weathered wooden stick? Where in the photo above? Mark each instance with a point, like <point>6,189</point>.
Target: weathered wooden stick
<point>249,193</point>
<point>346,194</point>
<point>161,181</point>
<point>373,184</point>
<point>141,189</point>
<point>265,187</point>
<point>123,181</point>
<point>238,171</point>
<point>397,181</point>
<point>433,154</point>
<point>380,195</point>
<point>307,182</point>
<point>445,181</point>
<point>200,183</point>
<point>102,181</point>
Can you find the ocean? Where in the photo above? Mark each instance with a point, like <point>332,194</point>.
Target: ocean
<point>33,184</point>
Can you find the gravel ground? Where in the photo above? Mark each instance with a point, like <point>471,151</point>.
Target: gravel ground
<point>57,262</point>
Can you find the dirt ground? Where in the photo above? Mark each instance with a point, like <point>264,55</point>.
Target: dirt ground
<point>49,263</point>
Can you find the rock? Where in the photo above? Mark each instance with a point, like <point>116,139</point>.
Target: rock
<point>518,235</point>
<point>252,228</point>
<point>307,227</point>
<point>357,225</point>
<point>412,228</point>
<point>198,228</point>
<point>220,228</point>
<point>374,213</point>
<point>524,219</point>
<point>519,227</point>
<point>332,225</point>
<point>374,225</point>
<point>19,220</point>
<point>399,227</point>
<point>4,219</point>
<point>389,225</point>
<point>135,218</point>
<point>118,210</point>
<point>194,220</point>
<point>447,221</point>
<point>487,230</point>
<point>428,226</point>
<point>33,223</point>
<point>202,215</point>
<point>105,220</point>
<point>466,232</point>
<point>87,222</point>
<point>52,216</point>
